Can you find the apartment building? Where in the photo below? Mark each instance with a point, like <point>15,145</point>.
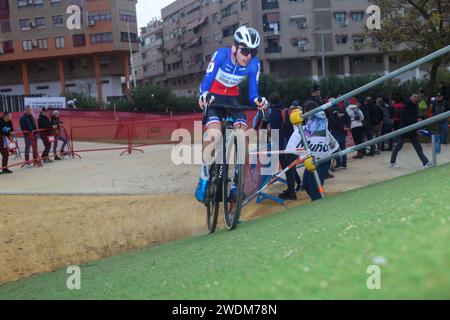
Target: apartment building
<point>296,35</point>
<point>39,54</point>
<point>150,59</point>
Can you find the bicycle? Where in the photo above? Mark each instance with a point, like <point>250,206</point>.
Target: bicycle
<point>223,176</point>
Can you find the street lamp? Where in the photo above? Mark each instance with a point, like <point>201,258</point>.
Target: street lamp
<point>322,44</point>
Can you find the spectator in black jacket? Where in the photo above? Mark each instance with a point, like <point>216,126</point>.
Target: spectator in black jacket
<point>367,124</point>
<point>28,125</point>
<point>339,123</point>
<point>441,106</point>
<point>45,127</point>
<point>409,116</point>
<point>6,127</point>
<point>388,122</point>
<point>57,123</point>
<point>376,120</point>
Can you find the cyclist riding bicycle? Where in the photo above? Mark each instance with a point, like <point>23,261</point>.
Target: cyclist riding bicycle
<point>227,69</point>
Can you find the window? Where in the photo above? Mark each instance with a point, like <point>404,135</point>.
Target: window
<point>104,62</point>
<point>357,16</point>
<point>124,37</point>
<point>25,24</point>
<point>40,22</point>
<point>228,11</point>
<point>55,2</point>
<point>127,17</point>
<point>60,42</point>
<point>42,44</point>
<point>104,37</point>
<point>358,60</point>
<point>99,16</point>
<point>244,5</point>
<point>27,45</point>
<point>5,26</point>
<point>341,38</point>
<point>58,21</point>
<point>8,46</point>
<point>79,40</point>
<point>341,18</point>
<point>357,38</point>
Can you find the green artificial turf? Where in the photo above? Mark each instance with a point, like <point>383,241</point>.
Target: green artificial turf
<point>318,251</point>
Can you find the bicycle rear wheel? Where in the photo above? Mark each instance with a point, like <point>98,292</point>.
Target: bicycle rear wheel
<point>234,175</point>
<point>212,203</point>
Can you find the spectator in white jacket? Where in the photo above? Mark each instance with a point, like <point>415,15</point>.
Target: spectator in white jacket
<point>356,126</point>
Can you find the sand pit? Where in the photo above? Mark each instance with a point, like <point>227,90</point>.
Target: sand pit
<point>80,210</point>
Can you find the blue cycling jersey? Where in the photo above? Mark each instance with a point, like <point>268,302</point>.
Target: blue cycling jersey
<point>223,76</point>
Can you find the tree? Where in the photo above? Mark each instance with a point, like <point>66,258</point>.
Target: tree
<point>414,28</point>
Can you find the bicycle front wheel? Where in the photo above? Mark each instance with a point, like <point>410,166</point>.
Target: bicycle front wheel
<point>212,198</point>
<point>233,189</point>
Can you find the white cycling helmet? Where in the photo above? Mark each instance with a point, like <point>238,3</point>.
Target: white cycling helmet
<point>248,37</point>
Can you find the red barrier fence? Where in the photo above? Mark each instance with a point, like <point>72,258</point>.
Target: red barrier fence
<point>12,148</point>
<point>121,130</point>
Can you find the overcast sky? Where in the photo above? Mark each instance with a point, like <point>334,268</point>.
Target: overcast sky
<point>147,9</point>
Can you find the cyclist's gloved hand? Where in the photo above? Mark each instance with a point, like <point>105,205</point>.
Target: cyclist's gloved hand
<point>296,117</point>
<point>309,164</point>
<point>261,103</point>
<point>205,100</point>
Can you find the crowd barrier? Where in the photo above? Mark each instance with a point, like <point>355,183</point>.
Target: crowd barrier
<point>13,148</point>
<point>17,146</point>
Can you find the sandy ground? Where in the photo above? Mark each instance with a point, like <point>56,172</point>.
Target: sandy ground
<point>79,210</point>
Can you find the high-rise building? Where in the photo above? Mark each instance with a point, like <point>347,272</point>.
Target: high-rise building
<point>297,36</point>
<point>150,58</point>
<point>40,54</point>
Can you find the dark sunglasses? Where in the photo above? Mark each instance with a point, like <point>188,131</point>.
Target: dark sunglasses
<point>246,52</point>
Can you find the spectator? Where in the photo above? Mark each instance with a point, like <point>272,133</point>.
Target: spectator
<point>356,126</point>
<point>441,106</point>
<point>444,91</point>
<point>322,144</point>
<point>409,116</point>
<point>376,121</point>
<point>366,108</point>
<point>339,122</point>
<point>71,104</point>
<point>398,107</point>
<point>6,127</point>
<point>278,113</point>
<point>45,125</point>
<point>56,124</point>
<point>28,125</point>
<point>388,123</point>
<point>313,102</point>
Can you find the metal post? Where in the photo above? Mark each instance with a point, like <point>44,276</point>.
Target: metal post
<point>433,149</point>
<point>131,56</point>
<point>316,174</point>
